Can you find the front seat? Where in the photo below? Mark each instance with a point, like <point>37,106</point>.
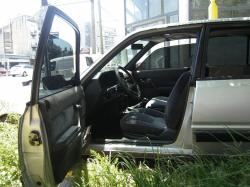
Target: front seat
<point>157,103</point>
<point>157,125</point>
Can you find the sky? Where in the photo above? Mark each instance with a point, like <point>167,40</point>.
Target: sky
<point>13,8</point>
<point>78,10</point>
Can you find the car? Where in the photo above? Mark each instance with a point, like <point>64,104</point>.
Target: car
<point>3,71</point>
<point>180,89</point>
<point>61,64</point>
<point>21,70</point>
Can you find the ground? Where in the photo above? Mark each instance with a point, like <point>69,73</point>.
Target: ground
<point>13,95</point>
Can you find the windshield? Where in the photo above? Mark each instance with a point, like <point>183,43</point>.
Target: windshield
<point>126,55</point>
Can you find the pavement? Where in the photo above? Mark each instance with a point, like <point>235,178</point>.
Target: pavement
<point>13,95</point>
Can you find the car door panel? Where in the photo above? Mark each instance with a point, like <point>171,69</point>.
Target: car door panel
<point>61,118</point>
<point>158,82</point>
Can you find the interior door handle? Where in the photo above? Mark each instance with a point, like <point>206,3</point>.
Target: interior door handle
<point>150,82</point>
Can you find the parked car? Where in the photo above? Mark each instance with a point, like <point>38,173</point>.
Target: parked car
<point>3,71</point>
<point>182,89</point>
<point>65,65</point>
<point>21,70</point>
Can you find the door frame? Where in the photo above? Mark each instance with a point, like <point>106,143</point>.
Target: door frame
<point>47,23</point>
<point>33,145</point>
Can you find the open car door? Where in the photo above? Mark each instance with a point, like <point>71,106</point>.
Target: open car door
<point>52,132</point>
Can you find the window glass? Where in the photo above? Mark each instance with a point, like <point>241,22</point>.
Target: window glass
<point>140,9</point>
<point>127,54</point>
<point>170,6</point>
<point>154,8</point>
<point>166,55</point>
<point>228,56</point>
<point>136,10</point>
<point>129,11</point>
<point>58,69</point>
<point>227,8</point>
<point>173,18</point>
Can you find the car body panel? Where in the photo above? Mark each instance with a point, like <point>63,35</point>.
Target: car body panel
<point>226,105</point>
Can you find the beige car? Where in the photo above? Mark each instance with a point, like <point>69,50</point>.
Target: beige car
<point>171,90</point>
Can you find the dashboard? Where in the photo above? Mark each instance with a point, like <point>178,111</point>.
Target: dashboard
<point>107,79</point>
<point>102,89</point>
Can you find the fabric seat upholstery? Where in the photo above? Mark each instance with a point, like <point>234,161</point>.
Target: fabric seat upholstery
<point>157,103</point>
<point>156,125</point>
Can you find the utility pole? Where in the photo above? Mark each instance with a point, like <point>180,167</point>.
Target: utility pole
<point>4,53</point>
<point>93,34</point>
<point>100,26</point>
<point>44,3</point>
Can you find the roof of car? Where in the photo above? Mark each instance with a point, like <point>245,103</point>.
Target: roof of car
<point>195,22</point>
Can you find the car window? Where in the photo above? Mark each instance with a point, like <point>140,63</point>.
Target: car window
<point>228,56</point>
<point>171,54</point>
<point>127,54</point>
<point>58,69</point>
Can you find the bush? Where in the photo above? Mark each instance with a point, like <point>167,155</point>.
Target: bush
<point>13,118</point>
<point>9,170</point>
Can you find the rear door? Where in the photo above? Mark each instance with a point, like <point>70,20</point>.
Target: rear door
<point>159,69</point>
<point>52,132</point>
<point>221,111</point>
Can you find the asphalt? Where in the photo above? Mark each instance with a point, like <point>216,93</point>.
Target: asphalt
<point>13,94</point>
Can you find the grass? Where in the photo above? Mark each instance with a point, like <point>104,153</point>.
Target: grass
<point>230,170</point>
<point>124,170</point>
<point>9,172</point>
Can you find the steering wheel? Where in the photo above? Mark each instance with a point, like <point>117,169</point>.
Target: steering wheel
<point>128,83</point>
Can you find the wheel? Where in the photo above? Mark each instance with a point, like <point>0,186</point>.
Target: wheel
<point>24,74</point>
<point>13,75</point>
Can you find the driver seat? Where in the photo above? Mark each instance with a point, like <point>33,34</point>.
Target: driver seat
<point>156,125</point>
<point>157,103</point>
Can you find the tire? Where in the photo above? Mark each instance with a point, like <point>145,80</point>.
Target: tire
<point>13,75</point>
<point>24,74</point>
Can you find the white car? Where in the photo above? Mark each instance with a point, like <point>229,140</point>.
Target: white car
<point>21,70</point>
<point>182,89</point>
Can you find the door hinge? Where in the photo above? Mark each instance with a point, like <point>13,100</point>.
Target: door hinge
<point>35,138</point>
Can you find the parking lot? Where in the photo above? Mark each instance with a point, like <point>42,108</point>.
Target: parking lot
<point>13,95</point>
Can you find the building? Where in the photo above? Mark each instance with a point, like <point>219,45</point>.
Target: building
<point>109,35</point>
<point>144,13</point>
<point>18,40</point>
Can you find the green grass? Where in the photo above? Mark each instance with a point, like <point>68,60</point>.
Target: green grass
<point>9,172</point>
<point>122,170</point>
<point>230,170</point>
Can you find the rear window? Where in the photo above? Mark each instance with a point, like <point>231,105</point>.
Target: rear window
<point>228,56</point>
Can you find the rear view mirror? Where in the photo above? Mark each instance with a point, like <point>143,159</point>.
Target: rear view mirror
<point>137,46</point>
